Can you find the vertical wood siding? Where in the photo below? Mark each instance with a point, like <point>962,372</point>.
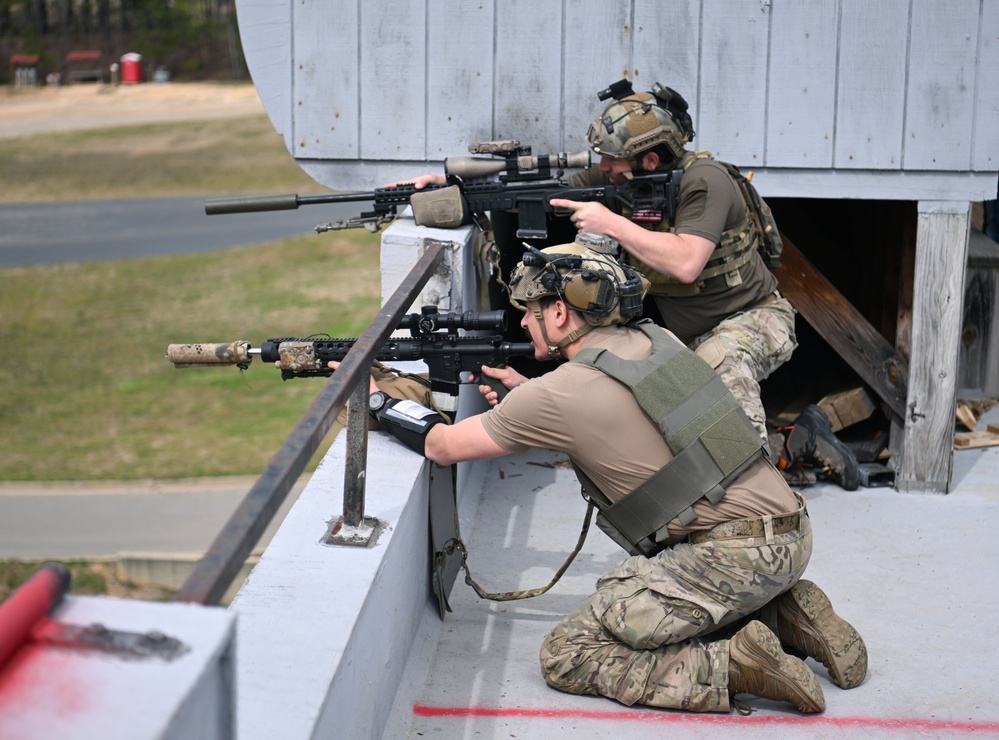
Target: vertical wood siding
<point>872,50</point>
<point>892,85</point>
<point>941,85</point>
<point>801,104</point>
<point>985,147</point>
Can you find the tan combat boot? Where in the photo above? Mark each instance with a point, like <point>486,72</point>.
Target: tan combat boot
<point>758,666</point>
<point>806,624</point>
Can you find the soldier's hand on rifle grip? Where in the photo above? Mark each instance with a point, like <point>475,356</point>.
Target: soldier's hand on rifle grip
<point>496,382</point>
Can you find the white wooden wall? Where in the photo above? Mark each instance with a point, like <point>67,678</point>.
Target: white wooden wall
<point>834,98</point>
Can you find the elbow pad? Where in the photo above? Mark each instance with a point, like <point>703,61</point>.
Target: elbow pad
<point>409,422</point>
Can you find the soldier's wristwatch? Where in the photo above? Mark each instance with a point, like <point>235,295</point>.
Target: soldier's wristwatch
<point>377,401</point>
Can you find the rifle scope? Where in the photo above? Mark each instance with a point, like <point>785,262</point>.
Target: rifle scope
<point>430,321</point>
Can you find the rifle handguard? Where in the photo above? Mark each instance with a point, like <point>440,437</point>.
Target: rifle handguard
<point>209,355</point>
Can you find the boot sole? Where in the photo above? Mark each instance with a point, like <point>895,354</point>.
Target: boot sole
<point>808,625</point>
<point>771,674</point>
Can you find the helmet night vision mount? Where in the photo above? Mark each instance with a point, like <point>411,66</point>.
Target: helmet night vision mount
<point>637,122</point>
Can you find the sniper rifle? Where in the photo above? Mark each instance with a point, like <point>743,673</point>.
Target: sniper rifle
<point>509,179</point>
<point>434,339</point>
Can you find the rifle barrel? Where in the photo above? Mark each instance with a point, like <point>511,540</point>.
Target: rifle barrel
<point>286,202</point>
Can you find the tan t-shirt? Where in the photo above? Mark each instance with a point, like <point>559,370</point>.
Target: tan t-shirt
<point>709,204</point>
<point>596,421</point>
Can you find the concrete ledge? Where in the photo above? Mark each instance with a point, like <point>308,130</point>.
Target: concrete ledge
<point>50,691</point>
<point>324,631</point>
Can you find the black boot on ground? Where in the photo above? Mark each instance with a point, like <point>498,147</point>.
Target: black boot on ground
<point>812,442</point>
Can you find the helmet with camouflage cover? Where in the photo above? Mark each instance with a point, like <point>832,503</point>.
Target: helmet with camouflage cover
<point>586,275</point>
<point>637,122</point>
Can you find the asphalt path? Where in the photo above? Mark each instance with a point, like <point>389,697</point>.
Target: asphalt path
<point>87,231</point>
<point>41,521</point>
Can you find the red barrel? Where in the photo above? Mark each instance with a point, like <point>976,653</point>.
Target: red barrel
<point>131,68</point>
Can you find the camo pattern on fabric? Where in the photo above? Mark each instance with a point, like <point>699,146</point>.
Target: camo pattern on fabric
<point>639,639</point>
<point>745,348</point>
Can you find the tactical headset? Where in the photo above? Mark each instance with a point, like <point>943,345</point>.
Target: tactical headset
<point>595,293</point>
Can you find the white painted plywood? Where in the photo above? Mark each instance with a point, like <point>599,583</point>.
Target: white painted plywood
<point>265,33</point>
<point>870,107</point>
<point>364,93</point>
<point>802,85</point>
<point>393,73</point>
<point>528,89</point>
<point>667,50</point>
<point>941,86</point>
<point>460,52</point>
<point>597,46</point>
<point>985,149</point>
<point>733,73</point>
<point>324,81</point>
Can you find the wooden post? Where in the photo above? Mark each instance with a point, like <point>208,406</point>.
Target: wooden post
<point>938,291</point>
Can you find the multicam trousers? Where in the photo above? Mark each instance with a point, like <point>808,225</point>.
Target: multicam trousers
<point>641,637</point>
<point>745,348</point>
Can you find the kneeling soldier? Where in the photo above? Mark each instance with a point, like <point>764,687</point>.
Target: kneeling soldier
<point>718,541</point>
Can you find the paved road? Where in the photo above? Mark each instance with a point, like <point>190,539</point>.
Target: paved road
<point>84,231</point>
<point>99,520</point>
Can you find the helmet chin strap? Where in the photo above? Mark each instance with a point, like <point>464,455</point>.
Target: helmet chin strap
<point>555,350</point>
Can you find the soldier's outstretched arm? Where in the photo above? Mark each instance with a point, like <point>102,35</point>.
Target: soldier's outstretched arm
<point>421,430</point>
<point>466,440</point>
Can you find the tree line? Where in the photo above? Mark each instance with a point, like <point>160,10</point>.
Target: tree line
<point>190,39</point>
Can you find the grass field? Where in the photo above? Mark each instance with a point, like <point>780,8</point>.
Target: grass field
<point>237,155</point>
<point>85,390</point>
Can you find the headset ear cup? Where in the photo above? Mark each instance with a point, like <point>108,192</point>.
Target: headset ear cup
<point>592,292</point>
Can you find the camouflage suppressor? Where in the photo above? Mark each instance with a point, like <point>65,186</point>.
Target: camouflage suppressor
<point>434,339</point>
<point>523,182</point>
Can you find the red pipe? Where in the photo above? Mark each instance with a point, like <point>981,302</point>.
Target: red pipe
<point>32,601</point>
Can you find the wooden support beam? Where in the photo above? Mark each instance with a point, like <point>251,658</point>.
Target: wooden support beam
<point>845,329</point>
<point>926,460</point>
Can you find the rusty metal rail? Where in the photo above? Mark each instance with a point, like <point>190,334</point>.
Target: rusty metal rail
<point>215,572</point>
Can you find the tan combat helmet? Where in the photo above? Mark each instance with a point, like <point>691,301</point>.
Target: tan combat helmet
<point>586,275</point>
<point>637,122</point>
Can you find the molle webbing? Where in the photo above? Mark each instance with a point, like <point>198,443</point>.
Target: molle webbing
<point>706,429</point>
<point>735,249</point>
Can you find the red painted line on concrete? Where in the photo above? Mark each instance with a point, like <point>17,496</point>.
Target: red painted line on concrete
<point>667,717</point>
